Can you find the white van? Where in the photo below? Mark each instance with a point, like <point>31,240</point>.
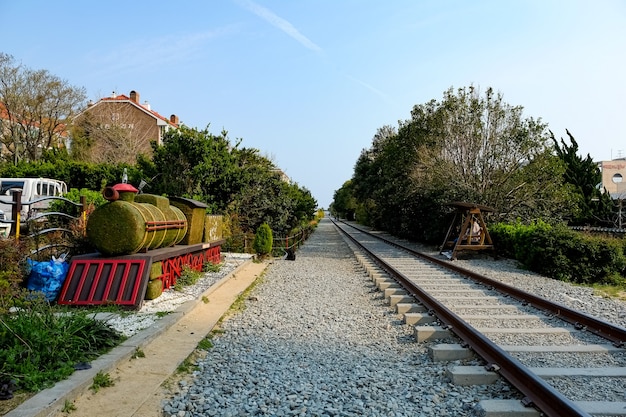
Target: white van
<point>32,188</point>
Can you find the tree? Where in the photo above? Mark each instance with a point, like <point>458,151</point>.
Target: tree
<point>595,205</point>
<point>263,240</point>
<point>35,107</point>
<point>193,163</point>
<point>485,151</point>
<point>344,203</point>
<point>96,139</point>
<point>233,181</point>
<point>468,147</point>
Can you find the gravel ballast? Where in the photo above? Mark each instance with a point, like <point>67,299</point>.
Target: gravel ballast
<point>317,339</point>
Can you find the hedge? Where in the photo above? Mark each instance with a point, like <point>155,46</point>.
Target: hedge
<point>560,253</point>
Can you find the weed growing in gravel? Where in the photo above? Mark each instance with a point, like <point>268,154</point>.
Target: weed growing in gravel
<point>187,366</point>
<point>187,277</point>
<point>240,303</point>
<point>205,344</point>
<point>211,267</point>
<point>138,354</point>
<point>101,380</point>
<point>68,407</point>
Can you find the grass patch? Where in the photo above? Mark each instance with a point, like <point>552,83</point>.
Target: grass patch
<point>187,366</point>
<point>42,344</point>
<point>609,291</point>
<point>239,304</point>
<point>205,344</point>
<point>211,267</point>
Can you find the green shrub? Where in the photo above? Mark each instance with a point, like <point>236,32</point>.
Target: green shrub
<point>561,253</point>
<point>263,240</point>
<point>93,198</point>
<point>13,269</point>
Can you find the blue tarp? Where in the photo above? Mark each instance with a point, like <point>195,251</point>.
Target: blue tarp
<point>47,277</point>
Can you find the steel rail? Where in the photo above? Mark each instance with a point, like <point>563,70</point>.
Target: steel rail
<point>542,395</point>
<point>581,320</point>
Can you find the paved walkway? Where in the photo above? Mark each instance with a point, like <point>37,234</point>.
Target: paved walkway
<point>166,345</point>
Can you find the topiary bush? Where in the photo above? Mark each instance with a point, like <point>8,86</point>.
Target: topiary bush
<point>263,240</point>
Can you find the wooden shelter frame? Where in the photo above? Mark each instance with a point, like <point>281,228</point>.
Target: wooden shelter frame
<point>473,233</point>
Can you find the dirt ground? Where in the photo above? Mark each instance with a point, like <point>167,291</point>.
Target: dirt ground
<point>141,383</point>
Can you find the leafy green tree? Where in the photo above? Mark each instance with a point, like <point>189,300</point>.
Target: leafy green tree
<point>234,181</point>
<point>468,147</point>
<point>344,203</point>
<point>195,164</point>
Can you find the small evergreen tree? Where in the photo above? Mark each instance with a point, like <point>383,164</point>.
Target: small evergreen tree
<point>263,240</point>
<point>594,205</point>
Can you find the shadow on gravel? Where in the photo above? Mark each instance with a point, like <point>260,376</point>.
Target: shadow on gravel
<point>406,339</point>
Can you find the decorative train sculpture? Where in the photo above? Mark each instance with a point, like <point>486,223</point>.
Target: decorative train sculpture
<point>144,242</point>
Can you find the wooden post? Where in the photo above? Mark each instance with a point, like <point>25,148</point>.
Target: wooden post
<point>16,211</point>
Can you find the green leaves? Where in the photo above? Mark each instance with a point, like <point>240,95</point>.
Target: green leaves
<point>263,240</point>
<point>40,346</point>
<point>470,146</point>
<point>231,180</point>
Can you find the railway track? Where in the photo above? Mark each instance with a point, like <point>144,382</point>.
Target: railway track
<point>559,359</point>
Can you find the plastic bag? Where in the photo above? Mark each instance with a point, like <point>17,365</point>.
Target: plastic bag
<point>48,277</point>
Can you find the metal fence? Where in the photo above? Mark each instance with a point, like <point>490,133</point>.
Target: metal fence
<point>39,225</point>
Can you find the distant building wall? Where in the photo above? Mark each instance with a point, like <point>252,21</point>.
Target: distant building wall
<point>614,176</point>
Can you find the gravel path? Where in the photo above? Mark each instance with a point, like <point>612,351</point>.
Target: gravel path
<point>317,339</point>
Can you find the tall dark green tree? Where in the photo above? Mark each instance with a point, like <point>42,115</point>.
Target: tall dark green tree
<point>595,206</point>
<point>344,203</point>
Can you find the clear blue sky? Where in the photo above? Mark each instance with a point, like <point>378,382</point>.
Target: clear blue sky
<point>308,82</point>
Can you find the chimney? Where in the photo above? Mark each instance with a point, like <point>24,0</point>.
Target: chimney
<point>134,96</point>
<point>174,119</point>
<point>146,105</point>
